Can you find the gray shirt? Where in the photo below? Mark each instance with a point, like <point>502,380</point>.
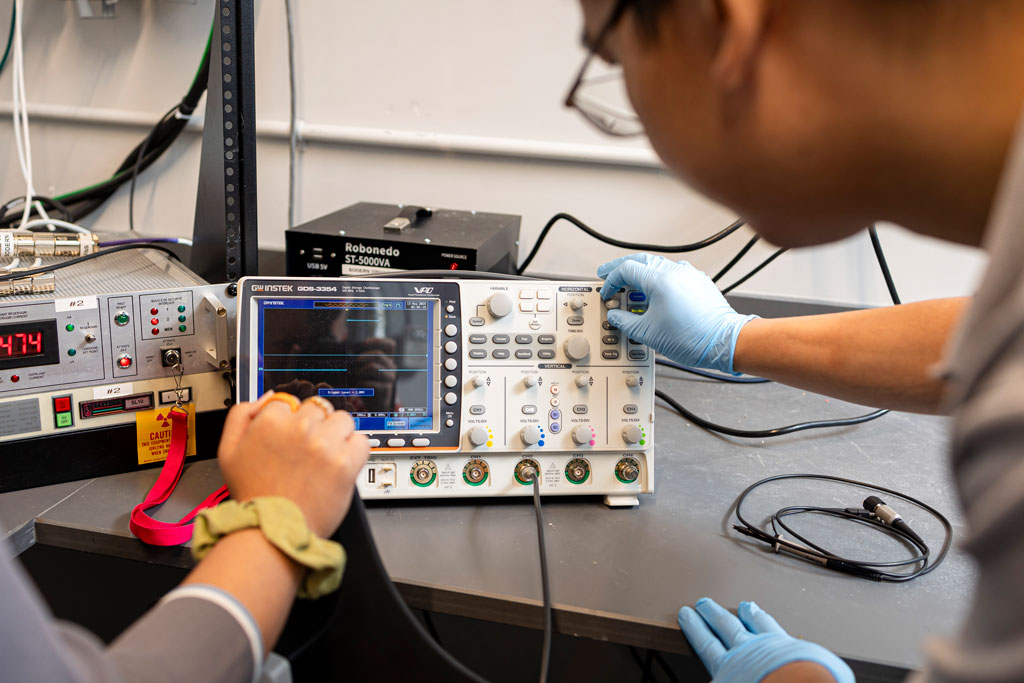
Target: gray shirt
<point>196,633</point>
<point>986,369</point>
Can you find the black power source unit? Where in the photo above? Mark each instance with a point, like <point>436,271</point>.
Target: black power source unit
<point>367,238</point>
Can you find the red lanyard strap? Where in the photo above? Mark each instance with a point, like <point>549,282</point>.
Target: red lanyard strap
<point>155,532</point>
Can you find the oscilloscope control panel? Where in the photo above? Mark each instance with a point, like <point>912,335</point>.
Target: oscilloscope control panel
<point>463,385</point>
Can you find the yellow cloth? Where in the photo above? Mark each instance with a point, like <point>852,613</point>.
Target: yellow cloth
<point>284,525</point>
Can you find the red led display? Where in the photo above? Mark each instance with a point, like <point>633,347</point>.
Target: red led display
<point>21,345</point>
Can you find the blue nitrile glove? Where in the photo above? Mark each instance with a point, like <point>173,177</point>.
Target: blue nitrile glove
<point>687,318</point>
<point>747,649</point>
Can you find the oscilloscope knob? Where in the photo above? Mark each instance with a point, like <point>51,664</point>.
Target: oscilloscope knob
<point>583,435</point>
<point>478,436</point>
<point>577,347</point>
<point>499,305</point>
<point>632,434</point>
<point>530,435</point>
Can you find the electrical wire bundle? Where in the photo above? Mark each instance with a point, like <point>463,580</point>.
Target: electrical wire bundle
<point>73,206</point>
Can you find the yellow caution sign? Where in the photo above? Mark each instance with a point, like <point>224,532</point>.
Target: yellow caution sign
<point>153,432</point>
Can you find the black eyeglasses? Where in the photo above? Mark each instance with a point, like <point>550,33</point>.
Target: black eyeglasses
<point>585,95</point>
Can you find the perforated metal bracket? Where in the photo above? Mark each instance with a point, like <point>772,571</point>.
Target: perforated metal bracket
<point>225,232</point>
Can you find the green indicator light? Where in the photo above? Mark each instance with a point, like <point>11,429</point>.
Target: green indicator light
<point>72,352</point>
<point>181,318</point>
<point>642,442</point>
<point>121,318</point>
<point>69,327</point>
<point>181,309</point>
<point>181,328</point>
<point>63,420</point>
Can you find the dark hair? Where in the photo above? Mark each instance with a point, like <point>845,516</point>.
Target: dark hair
<point>648,12</point>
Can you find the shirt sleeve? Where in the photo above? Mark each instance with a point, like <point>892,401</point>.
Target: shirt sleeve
<point>195,633</point>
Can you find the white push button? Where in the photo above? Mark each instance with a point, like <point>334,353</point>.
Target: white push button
<point>420,442</point>
<point>396,443</point>
<point>450,398</point>
<point>374,443</point>
<point>451,347</point>
<point>450,330</point>
<point>451,364</point>
<point>450,381</point>
<point>525,293</point>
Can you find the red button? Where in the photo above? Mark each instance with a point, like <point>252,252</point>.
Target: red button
<point>15,378</point>
<point>154,311</point>
<point>62,404</point>
<point>154,321</point>
<point>156,330</point>
<point>125,361</point>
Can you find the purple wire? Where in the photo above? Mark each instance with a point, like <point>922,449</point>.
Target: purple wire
<point>114,243</point>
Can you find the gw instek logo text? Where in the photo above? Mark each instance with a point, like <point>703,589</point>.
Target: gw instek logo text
<point>271,288</point>
<point>376,251</point>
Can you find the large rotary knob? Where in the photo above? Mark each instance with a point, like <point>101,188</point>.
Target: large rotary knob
<point>530,435</point>
<point>583,435</point>
<point>576,347</point>
<point>478,436</point>
<point>499,305</point>
<point>632,434</point>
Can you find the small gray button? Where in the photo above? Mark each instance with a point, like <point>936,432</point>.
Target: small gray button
<point>476,410</point>
<point>638,354</point>
<point>634,342</point>
<point>451,364</point>
<point>610,339</point>
<point>524,339</point>
<point>478,339</point>
<point>477,353</point>
<point>546,354</point>
<point>574,320</point>
<point>450,381</point>
<point>580,409</point>
<point>501,354</point>
<point>605,325</point>
<point>450,330</point>
<point>451,347</point>
<point>420,442</point>
<point>449,422</point>
<point>451,398</point>
<point>529,410</point>
<point>546,338</point>
<point>449,308</point>
<point>500,338</point>
<point>606,354</point>
<point>396,443</point>
<point>631,409</point>
<point>374,443</point>
<point>524,353</point>
<point>476,322</point>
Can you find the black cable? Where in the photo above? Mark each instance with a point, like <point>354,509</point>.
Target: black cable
<point>82,259</point>
<point>665,667</point>
<point>766,433</point>
<point>429,622</point>
<point>711,375</point>
<point>634,246</point>
<point>645,669</point>
<point>545,582</point>
<point>755,271</point>
<point>872,570</point>
<point>736,259</point>
<point>138,162</point>
<point>876,244</point>
<point>445,275</point>
<point>47,202</point>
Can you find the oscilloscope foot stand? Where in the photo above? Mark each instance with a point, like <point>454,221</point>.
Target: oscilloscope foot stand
<point>621,501</point>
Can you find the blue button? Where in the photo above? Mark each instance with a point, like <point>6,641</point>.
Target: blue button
<point>637,296</point>
<point>555,414</point>
<point>554,427</point>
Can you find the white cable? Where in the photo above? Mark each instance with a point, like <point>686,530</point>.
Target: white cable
<point>22,137</point>
<point>39,222</point>
<point>12,265</point>
<point>42,212</point>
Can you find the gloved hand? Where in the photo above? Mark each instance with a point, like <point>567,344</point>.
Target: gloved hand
<point>747,649</point>
<point>687,318</point>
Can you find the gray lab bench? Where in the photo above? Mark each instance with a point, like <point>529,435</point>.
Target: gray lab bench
<point>620,574</point>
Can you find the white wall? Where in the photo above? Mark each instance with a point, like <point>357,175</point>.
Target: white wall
<point>463,72</point>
